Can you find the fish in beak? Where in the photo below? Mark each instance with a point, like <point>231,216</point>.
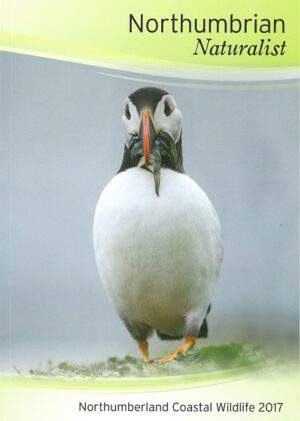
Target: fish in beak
<point>150,146</point>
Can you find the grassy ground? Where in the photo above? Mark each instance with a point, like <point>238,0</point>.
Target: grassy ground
<point>204,360</point>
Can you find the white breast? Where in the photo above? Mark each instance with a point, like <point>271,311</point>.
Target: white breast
<point>158,257</point>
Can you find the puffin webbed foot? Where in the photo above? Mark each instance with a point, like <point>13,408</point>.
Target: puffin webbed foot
<point>183,349</point>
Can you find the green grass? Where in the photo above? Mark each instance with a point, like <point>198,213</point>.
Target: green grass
<point>200,367</point>
<point>198,361</point>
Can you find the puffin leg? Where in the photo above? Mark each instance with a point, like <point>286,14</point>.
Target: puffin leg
<point>140,332</point>
<point>189,342</point>
<point>143,347</point>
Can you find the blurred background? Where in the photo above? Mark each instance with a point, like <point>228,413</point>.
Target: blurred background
<point>61,143</point>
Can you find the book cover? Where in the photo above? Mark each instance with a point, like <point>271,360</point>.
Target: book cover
<point>149,210</point>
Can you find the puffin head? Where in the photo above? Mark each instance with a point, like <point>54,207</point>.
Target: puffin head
<point>147,112</point>
<point>153,126</point>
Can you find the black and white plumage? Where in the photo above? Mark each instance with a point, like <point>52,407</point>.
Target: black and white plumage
<point>157,236</point>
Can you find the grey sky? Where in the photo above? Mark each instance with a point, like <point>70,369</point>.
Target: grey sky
<point>62,141</point>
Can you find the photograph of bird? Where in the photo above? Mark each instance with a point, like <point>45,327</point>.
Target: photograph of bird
<point>157,237</point>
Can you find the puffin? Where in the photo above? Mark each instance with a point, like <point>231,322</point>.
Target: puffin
<point>157,237</point>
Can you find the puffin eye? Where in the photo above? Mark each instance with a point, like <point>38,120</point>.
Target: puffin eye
<point>127,112</point>
<point>168,108</point>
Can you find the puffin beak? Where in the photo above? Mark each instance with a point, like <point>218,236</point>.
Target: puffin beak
<point>147,133</point>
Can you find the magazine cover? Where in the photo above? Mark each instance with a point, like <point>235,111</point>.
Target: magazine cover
<point>149,210</point>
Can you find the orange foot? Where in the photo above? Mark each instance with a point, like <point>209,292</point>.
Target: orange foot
<point>183,349</point>
<point>143,346</point>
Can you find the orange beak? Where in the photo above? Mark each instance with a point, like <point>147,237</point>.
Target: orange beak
<point>147,133</point>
